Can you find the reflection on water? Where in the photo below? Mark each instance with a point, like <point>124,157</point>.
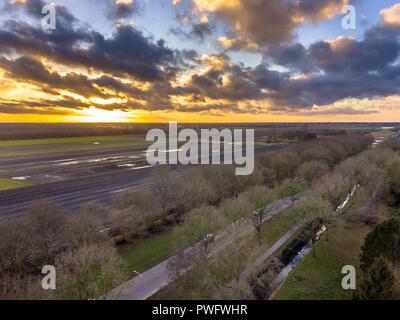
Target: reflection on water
<point>293,264</point>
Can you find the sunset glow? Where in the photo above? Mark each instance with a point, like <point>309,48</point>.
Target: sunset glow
<point>205,61</point>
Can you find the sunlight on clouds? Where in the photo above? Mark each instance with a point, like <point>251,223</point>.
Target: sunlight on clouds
<point>73,95</point>
<point>391,15</point>
<point>117,2</point>
<point>93,114</point>
<point>107,101</point>
<point>213,5</point>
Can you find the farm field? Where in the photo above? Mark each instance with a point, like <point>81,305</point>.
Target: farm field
<point>6,184</point>
<point>19,148</point>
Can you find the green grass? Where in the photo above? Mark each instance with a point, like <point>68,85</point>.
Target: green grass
<point>271,232</point>
<point>290,189</point>
<point>15,148</point>
<point>6,183</point>
<point>15,143</point>
<point>351,128</point>
<point>151,251</point>
<point>148,252</point>
<point>277,227</point>
<point>320,278</point>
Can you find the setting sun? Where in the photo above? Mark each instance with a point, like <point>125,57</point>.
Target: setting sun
<point>93,114</point>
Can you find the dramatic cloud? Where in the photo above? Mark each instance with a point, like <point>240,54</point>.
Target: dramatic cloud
<point>127,52</point>
<point>76,67</point>
<point>34,8</point>
<point>292,56</point>
<point>119,9</point>
<point>238,44</point>
<point>266,21</point>
<point>391,16</point>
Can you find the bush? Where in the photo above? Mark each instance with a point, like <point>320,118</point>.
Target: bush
<point>285,165</point>
<point>394,177</point>
<point>119,240</point>
<point>131,222</point>
<point>15,246</point>
<point>85,226</point>
<point>311,170</point>
<point>193,191</point>
<point>47,224</point>
<point>169,220</point>
<point>156,226</point>
<point>88,272</point>
<point>377,282</point>
<point>383,240</point>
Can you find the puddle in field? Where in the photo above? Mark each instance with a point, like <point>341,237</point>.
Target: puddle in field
<point>21,178</point>
<point>126,165</point>
<point>143,167</point>
<point>70,168</point>
<point>163,151</point>
<point>68,163</point>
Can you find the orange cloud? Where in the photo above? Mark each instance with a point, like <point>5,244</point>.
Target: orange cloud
<point>391,16</point>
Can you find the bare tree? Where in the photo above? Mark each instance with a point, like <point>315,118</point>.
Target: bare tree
<point>15,246</point>
<point>162,188</point>
<point>257,221</point>
<point>311,170</point>
<point>86,225</point>
<point>88,272</point>
<point>47,224</point>
<point>291,193</point>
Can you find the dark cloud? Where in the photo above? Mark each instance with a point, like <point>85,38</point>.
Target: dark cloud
<point>353,58</point>
<point>292,56</point>
<point>198,30</point>
<point>324,89</point>
<point>266,22</point>
<point>145,73</point>
<point>229,82</point>
<point>34,8</point>
<point>190,54</point>
<point>29,70</point>
<point>128,52</point>
<point>268,79</point>
<point>31,7</point>
<point>31,107</point>
<point>120,9</point>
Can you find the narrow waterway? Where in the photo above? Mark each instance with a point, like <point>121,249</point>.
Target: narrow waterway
<point>305,249</point>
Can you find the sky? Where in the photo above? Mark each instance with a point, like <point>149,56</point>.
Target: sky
<point>200,61</point>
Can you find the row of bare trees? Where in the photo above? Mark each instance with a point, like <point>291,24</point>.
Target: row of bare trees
<point>86,262</point>
<point>329,189</point>
<point>203,199</point>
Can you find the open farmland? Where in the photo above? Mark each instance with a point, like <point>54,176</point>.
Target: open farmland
<point>19,148</point>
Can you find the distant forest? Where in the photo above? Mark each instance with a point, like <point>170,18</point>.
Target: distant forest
<point>15,131</point>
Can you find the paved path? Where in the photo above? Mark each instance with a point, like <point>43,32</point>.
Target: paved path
<point>270,251</point>
<point>157,277</point>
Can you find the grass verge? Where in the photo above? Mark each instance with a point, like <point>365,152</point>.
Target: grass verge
<point>7,183</point>
<point>320,278</point>
<point>32,142</point>
<point>148,252</point>
<point>16,148</point>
